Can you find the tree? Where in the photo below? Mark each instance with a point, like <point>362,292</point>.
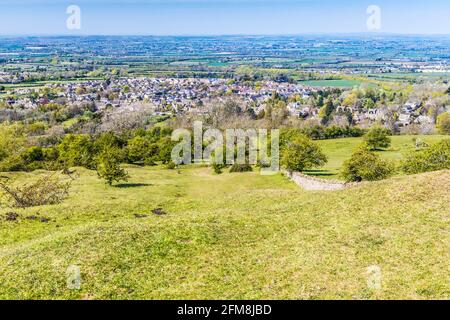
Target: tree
<point>366,165</point>
<point>140,149</point>
<point>301,154</point>
<point>377,138</point>
<point>46,190</point>
<point>326,111</point>
<point>77,150</point>
<point>108,166</point>
<point>434,158</point>
<point>12,144</point>
<point>443,123</point>
<point>368,104</point>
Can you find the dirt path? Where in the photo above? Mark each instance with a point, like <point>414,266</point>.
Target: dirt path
<point>311,183</point>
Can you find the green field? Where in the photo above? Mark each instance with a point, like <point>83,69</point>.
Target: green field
<point>331,83</point>
<point>230,236</point>
<point>339,150</point>
<point>233,236</point>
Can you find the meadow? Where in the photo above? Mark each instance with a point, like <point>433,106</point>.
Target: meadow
<point>331,83</point>
<point>339,150</point>
<point>231,236</point>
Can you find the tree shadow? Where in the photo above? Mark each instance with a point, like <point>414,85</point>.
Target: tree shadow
<point>132,185</point>
<point>319,173</point>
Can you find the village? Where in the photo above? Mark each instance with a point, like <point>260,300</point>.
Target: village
<point>178,96</point>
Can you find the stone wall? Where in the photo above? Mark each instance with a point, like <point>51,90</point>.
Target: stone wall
<point>312,183</point>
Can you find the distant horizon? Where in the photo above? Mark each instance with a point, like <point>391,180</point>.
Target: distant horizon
<point>232,35</point>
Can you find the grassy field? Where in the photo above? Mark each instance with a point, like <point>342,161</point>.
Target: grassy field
<point>331,83</point>
<point>339,150</point>
<point>230,236</point>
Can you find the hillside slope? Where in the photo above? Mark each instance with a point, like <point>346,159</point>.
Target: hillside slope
<point>233,236</point>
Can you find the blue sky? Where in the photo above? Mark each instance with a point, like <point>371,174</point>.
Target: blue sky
<point>215,17</point>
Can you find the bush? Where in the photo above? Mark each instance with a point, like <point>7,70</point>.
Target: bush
<point>377,138</point>
<point>47,190</point>
<point>241,168</point>
<point>140,149</point>
<point>108,166</point>
<point>165,148</point>
<point>33,154</point>
<point>434,158</point>
<point>77,150</point>
<point>218,167</point>
<point>13,163</point>
<point>302,154</point>
<point>443,123</point>
<point>171,165</point>
<point>366,165</point>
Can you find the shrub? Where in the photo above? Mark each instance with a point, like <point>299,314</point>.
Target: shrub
<point>13,163</point>
<point>241,168</point>
<point>377,138</point>
<point>12,139</point>
<point>165,147</point>
<point>443,123</point>
<point>33,154</point>
<point>77,150</point>
<point>218,167</point>
<point>140,149</point>
<point>107,140</point>
<point>47,190</point>
<point>319,132</point>
<point>150,161</point>
<point>108,166</point>
<point>171,165</point>
<point>302,154</point>
<point>366,165</point>
<point>434,158</point>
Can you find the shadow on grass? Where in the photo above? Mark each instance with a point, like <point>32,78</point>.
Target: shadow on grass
<point>319,173</point>
<point>132,185</point>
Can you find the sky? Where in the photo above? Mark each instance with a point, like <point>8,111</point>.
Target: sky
<point>223,17</point>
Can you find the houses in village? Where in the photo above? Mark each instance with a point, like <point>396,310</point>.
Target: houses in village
<point>183,95</point>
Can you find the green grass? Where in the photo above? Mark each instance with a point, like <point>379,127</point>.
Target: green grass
<point>339,150</point>
<point>331,83</point>
<point>230,236</point>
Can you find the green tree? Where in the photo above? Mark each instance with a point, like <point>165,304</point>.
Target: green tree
<point>377,138</point>
<point>443,123</point>
<point>368,104</point>
<point>366,165</point>
<point>12,145</point>
<point>140,149</point>
<point>434,158</point>
<point>108,166</point>
<point>77,150</point>
<point>301,154</point>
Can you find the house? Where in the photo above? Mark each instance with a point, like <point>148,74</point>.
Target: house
<point>404,120</point>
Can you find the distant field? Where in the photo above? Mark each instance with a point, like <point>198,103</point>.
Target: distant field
<point>331,83</point>
<point>37,84</point>
<point>232,236</point>
<point>339,150</point>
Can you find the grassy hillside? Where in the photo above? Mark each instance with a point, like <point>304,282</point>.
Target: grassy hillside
<point>231,236</point>
<point>339,150</point>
